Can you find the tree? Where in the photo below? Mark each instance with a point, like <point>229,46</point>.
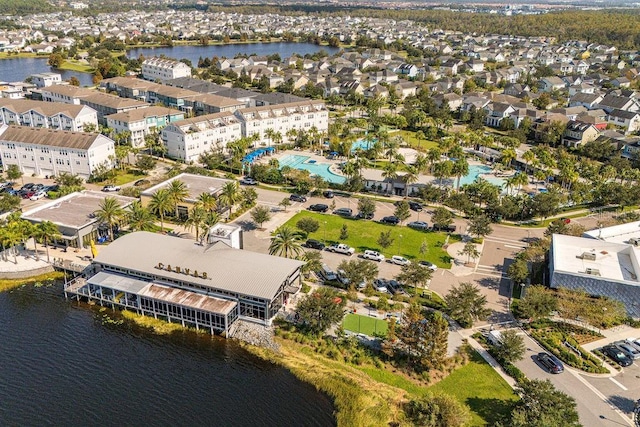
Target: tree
<point>230,195</point>
<point>385,239</point>
<point>145,163</point>
<point>312,260</point>
<point>415,275</point>
<point>139,217</point>
<point>518,270</point>
<point>423,339</point>
<point>47,231</point>
<point>470,250</point>
<point>110,213</point>
<point>402,211</point>
<point>439,410</point>
<point>344,232</point>
<point>366,207</point>
<point>285,203</point>
<point>442,217</point>
<point>308,225</point>
<point>480,226</point>
<point>511,348</point>
<point>178,191</point>
<point>358,270</point>
<point>542,405</point>
<point>73,81</point>
<point>466,304</point>
<point>260,215</point>
<point>538,302</point>
<point>286,243</point>
<point>13,172</point>
<point>195,219</point>
<point>321,309</point>
<point>55,60</point>
<point>161,204</point>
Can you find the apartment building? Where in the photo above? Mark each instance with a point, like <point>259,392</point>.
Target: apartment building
<point>48,152</point>
<point>164,69</point>
<point>187,139</point>
<point>142,122</point>
<point>52,115</point>
<point>46,79</point>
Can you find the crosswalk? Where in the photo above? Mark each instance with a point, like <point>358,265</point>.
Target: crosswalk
<point>509,243</point>
<point>490,270</point>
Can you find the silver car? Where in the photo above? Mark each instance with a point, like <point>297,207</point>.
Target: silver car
<point>629,350</point>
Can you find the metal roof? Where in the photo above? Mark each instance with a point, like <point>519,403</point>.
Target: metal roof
<point>188,299</point>
<point>118,282</point>
<point>227,269</point>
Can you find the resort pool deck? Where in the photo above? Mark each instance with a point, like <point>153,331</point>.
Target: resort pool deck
<point>362,144</point>
<point>481,170</point>
<point>296,161</point>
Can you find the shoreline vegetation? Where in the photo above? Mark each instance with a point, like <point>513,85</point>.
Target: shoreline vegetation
<point>10,284</point>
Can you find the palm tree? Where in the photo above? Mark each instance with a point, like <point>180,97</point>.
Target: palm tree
<point>460,169</point>
<point>433,156</point>
<point>110,213</point>
<point>196,218</point>
<point>210,219</point>
<point>411,177</point>
<point>178,191</point>
<point>230,195</point>
<point>508,155</point>
<point>528,157</point>
<point>47,231</point>
<point>208,201</point>
<point>269,134</point>
<point>276,138</point>
<point>286,243</point>
<point>140,218</point>
<point>160,204</point>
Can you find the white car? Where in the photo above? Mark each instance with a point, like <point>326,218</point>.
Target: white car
<point>247,180</point>
<point>109,188</point>
<point>400,260</point>
<point>373,256</point>
<point>37,196</point>
<point>431,266</point>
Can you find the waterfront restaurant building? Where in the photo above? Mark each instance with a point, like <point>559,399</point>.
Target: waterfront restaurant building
<point>179,280</point>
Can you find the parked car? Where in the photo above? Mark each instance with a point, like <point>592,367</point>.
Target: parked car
<point>448,228</point>
<point>327,273</point>
<point>415,206</point>
<point>38,195</point>
<point>431,266</point>
<point>418,225</point>
<point>314,244</point>
<point>400,260</point>
<point>319,207</point>
<point>109,188</point>
<point>362,215</point>
<point>247,180</point>
<point>328,194</point>
<point>380,285</point>
<point>551,363</point>
<point>343,212</point>
<point>634,342</point>
<point>27,194</point>
<point>141,182</point>
<point>629,350</point>
<point>297,198</point>
<point>393,220</point>
<point>617,355</point>
<point>341,248</point>
<point>342,278</point>
<point>373,255</point>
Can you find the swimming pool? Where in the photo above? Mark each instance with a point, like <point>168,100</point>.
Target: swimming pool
<point>362,144</point>
<point>296,161</point>
<point>475,171</point>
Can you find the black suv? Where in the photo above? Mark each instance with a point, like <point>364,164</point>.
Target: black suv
<point>328,194</point>
<point>617,355</point>
<point>343,212</point>
<point>393,220</point>
<point>415,206</point>
<point>319,207</point>
<point>550,362</point>
<point>297,198</point>
<point>314,244</point>
<point>362,215</point>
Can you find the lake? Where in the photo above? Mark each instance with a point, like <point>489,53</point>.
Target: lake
<point>18,69</point>
<point>60,364</point>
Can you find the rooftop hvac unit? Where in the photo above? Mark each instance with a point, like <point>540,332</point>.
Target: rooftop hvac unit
<point>589,256</point>
<point>592,271</point>
<point>635,241</point>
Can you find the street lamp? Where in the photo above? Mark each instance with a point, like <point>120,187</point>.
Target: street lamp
<point>399,245</point>
<point>325,231</point>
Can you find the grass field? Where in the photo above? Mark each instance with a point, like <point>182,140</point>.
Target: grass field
<point>411,139</point>
<point>364,235</point>
<point>479,386</point>
<point>364,324</point>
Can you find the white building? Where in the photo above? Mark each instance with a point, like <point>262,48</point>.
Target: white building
<point>47,152</point>
<point>164,69</point>
<point>46,79</point>
<point>282,118</point>
<point>52,115</point>
<point>142,122</point>
<point>187,139</point>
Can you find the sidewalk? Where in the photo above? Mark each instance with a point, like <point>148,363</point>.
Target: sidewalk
<point>491,361</point>
<point>458,266</point>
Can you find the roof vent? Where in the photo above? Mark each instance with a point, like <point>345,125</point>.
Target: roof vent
<point>592,271</point>
<point>588,256</point>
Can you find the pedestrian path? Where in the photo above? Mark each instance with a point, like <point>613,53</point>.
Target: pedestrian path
<point>491,361</point>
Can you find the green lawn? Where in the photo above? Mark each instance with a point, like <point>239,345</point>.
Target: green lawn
<point>411,139</point>
<point>364,324</point>
<point>480,387</point>
<point>73,65</point>
<point>364,235</point>
<point>124,176</point>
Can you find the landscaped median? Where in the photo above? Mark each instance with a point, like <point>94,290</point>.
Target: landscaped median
<point>364,234</point>
<point>564,341</point>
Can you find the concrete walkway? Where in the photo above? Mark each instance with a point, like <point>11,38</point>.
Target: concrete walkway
<point>491,361</point>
